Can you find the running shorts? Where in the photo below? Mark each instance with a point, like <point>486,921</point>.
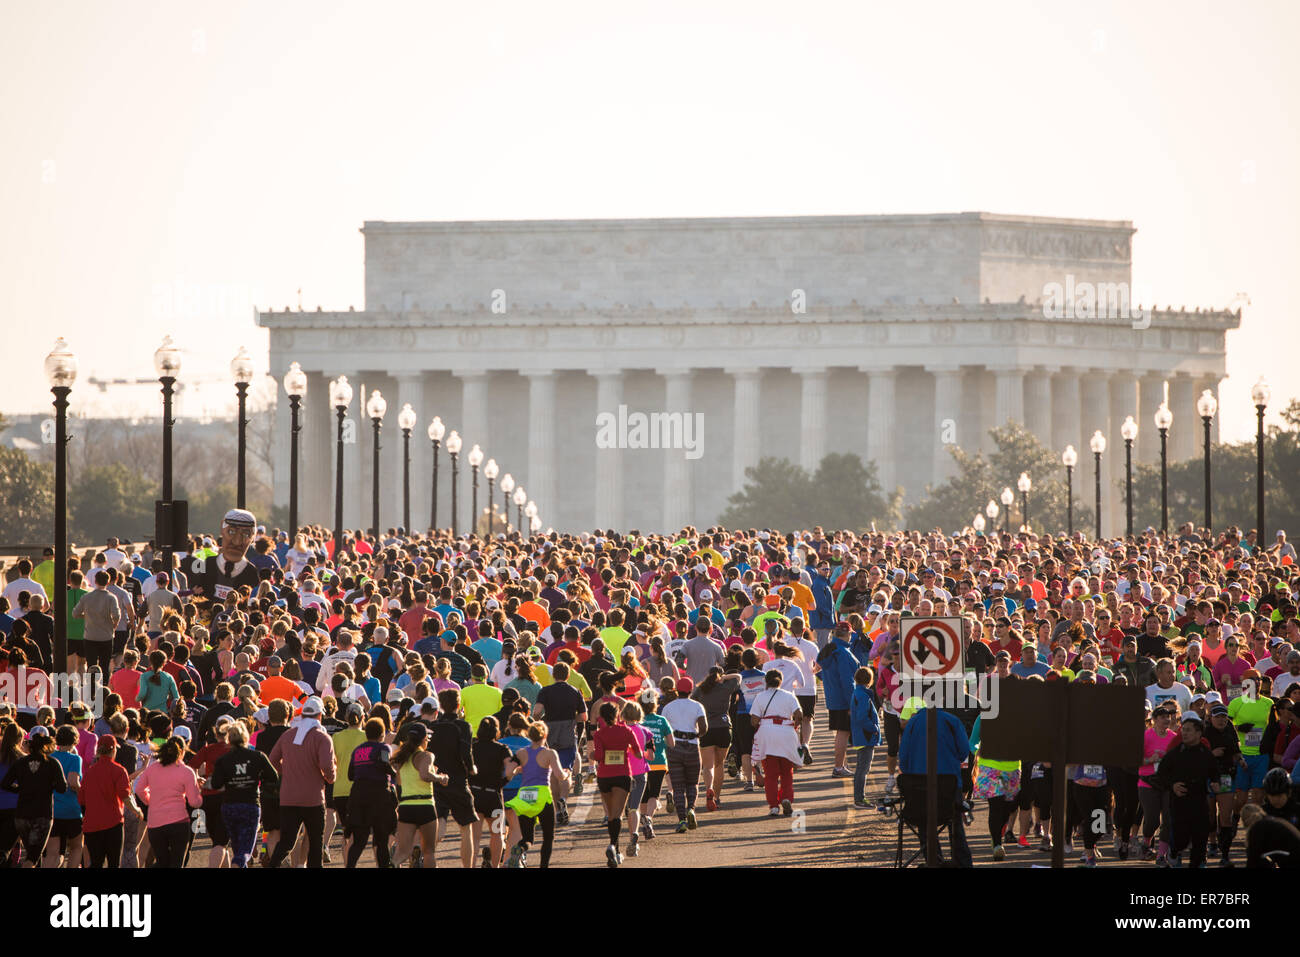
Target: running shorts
<point>637,792</point>
<point>743,735</point>
<point>34,833</point>
<point>1252,775</point>
<point>487,801</point>
<point>417,814</point>
<point>893,733</point>
<point>807,704</point>
<point>718,736</point>
<point>455,802</point>
<point>65,829</point>
<point>839,720</point>
<point>607,785</point>
<point>654,782</point>
<point>213,820</point>
<point>567,757</point>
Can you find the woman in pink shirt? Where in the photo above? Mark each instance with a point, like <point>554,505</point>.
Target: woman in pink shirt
<point>167,786</point>
<point>1229,669</point>
<point>1156,740</point>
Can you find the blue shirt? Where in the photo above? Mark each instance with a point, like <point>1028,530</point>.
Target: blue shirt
<point>489,648</point>
<point>953,745</point>
<point>66,806</point>
<point>1038,668</point>
<point>823,614</point>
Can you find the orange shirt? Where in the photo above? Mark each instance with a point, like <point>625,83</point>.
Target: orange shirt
<point>278,686</point>
<point>535,613</point>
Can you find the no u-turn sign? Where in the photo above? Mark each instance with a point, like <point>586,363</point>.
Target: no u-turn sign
<point>931,647</point>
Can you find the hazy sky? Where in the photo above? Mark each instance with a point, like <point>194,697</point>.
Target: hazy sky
<point>167,165</point>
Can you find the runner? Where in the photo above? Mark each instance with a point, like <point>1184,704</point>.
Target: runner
<point>689,722</point>
<point>776,717</point>
<point>613,746</point>
<point>106,797</point>
<point>237,775</point>
<point>715,693</point>
<point>169,788</point>
<point>417,814</point>
<point>533,802</point>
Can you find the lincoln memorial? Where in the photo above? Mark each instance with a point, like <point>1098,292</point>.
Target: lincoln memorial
<point>885,336</point>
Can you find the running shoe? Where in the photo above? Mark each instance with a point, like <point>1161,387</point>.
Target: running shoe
<point>632,847</point>
<point>1023,840</point>
<point>682,827</point>
<point>841,773</point>
<point>577,785</point>
<point>611,856</point>
<point>516,859</point>
<point>648,829</point>
<point>862,805</point>
<point>417,858</point>
<point>774,812</point>
<point>668,802</point>
<point>1069,848</point>
<point>749,787</point>
<point>787,808</point>
<point>562,815</point>
<point>1045,844</point>
<point>1123,850</point>
<point>690,819</point>
<point>710,801</point>
<point>1162,860</point>
<point>1175,862</point>
<point>1089,860</point>
<point>1145,853</point>
<point>998,853</point>
<point>487,858</point>
<point>891,783</point>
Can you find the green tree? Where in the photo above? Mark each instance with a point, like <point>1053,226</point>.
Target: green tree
<point>843,493</point>
<point>1232,476</point>
<point>112,500</point>
<point>26,498</point>
<point>954,503</point>
<point>207,508</point>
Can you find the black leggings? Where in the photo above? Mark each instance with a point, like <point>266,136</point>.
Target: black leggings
<point>8,837</point>
<point>170,843</point>
<point>1085,802</point>
<point>291,818</point>
<point>1125,785</point>
<point>547,820</point>
<point>99,653</point>
<point>105,847</point>
<point>370,809</point>
<point>1189,826</point>
<point>1155,813</point>
<point>1001,810</point>
<point>1043,794</point>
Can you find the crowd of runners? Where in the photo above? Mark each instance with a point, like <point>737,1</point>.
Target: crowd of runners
<point>270,693</point>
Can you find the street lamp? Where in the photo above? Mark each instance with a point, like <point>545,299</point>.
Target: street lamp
<point>376,406</point>
<point>1024,484</point>
<point>1260,394</point>
<point>340,398</point>
<point>61,372</point>
<point>295,385</point>
<point>535,524</point>
<point>991,510</point>
<point>1129,430</point>
<point>1008,497</point>
<point>454,443</point>
<point>475,460</point>
<point>1164,418</point>
<point>490,471</point>
<point>436,431</point>
<point>406,422</point>
<point>978,524</point>
<point>521,497</point>
<point>1206,406</point>
<point>1069,458</point>
<point>241,367</point>
<point>1098,445</point>
<point>507,486</point>
<point>530,513</point>
<point>167,363</point>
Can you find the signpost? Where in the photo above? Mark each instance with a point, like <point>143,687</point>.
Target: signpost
<point>931,652</point>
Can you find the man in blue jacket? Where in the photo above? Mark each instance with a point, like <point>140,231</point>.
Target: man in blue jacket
<point>836,663</point>
<point>953,749</point>
<point>822,619</point>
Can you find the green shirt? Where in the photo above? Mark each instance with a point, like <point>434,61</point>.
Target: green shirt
<point>1255,713</point>
<point>76,626</point>
<point>345,742</point>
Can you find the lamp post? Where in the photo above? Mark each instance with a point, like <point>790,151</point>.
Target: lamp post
<point>991,510</point>
<point>1098,445</point>
<point>1260,394</point>
<point>1069,458</point>
<point>61,372</point>
<point>295,386</point>
<point>1164,418</point>
<point>1024,484</point>
<point>507,486</point>
<point>376,406</point>
<point>475,460</point>
<point>1129,430</point>
<point>978,524</point>
<point>530,513</point>
<point>1206,406</point>
<point>1008,497</point>
<point>490,471</point>
<point>521,497</point>
<point>406,422</point>
<point>167,363</point>
<point>340,398</point>
<point>241,367</point>
<point>453,449</point>
<point>436,431</point>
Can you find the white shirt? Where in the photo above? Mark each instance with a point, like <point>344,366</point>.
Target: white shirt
<point>682,715</point>
<point>22,584</point>
<point>1177,691</point>
<point>297,561</point>
<point>791,674</point>
<point>114,557</point>
<point>327,666</point>
<point>1282,682</point>
<point>809,651</point>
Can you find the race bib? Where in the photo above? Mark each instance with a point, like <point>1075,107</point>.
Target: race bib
<point>1093,771</point>
<point>1225,783</point>
<point>1037,772</point>
<point>222,591</point>
<point>1234,692</point>
<point>528,795</point>
<point>1253,738</point>
<point>613,758</point>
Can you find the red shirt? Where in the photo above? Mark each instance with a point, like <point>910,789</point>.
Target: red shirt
<point>580,652</point>
<point>612,745</point>
<point>1111,642</point>
<point>105,786</point>
<point>126,682</point>
<point>411,622</point>
<point>205,759</point>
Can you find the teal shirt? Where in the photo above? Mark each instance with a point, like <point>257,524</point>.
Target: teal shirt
<point>659,729</point>
<point>155,697</point>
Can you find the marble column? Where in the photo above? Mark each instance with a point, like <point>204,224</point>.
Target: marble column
<point>812,417</point>
<point>881,427</point>
<point>410,388</point>
<point>474,410</point>
<point>609,462</point>
<point>541,443</point>
<point>1038,404</point>
<point>1067,406</point>
<point>1183,434</point>
<point>1123,403</point>
<point>1010,396</point>
<point>745,425</point>
<point>947,413</point>
<point>678,503</point>
<point>280,443</point>
<point>1095,388</point>
<point>1151,392</point>
<point>316,475</point>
